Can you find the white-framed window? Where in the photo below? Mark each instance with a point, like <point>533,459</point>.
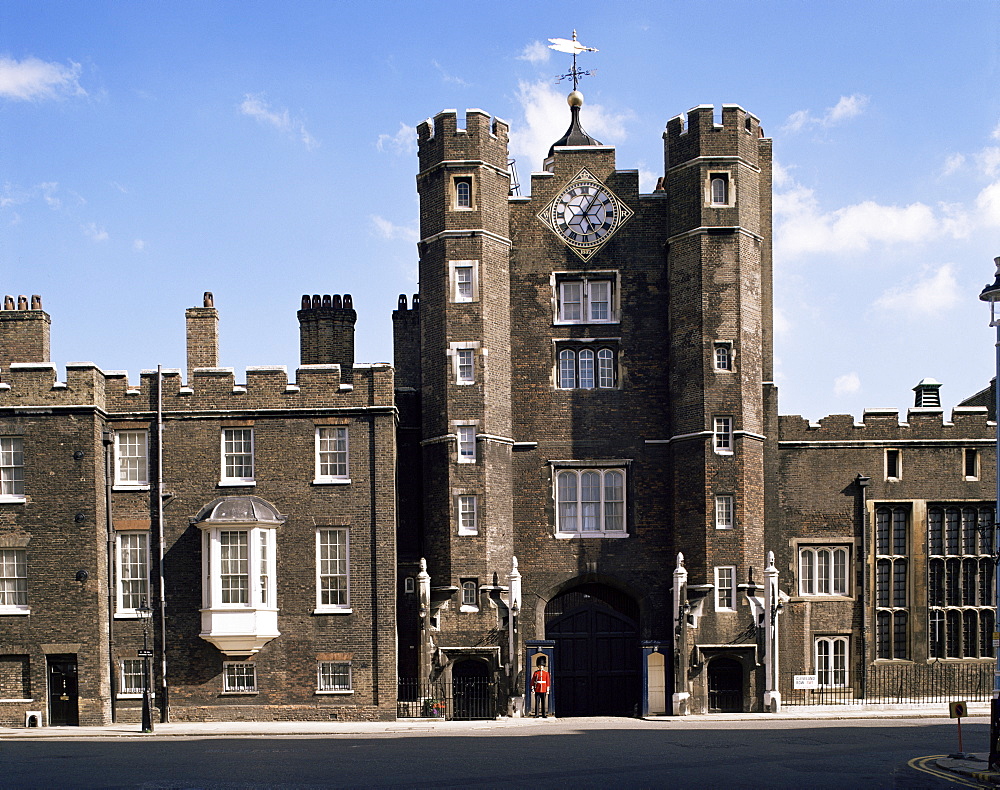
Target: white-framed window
<point>237,456</point>
<point>334,677</point>
<point>239,677</point>
<point>468,514</point>
<point>333,569</point>
<point>719,189</point>
<point>723,356</point>
<point>464,281</point>
<point>893,465</point>
<point>131,459</point>
<point>724,506</point>
<point>586,300</point>
<point>332,464</point>
<point>722,440</point>
<point>831,660</point>
<point>132,572</point>
<point>590,502</point>
<point>465,369</point>
<point>131,684</point>
<point>466,435</point>
<point>13,581</point>
<point>970,462</point>
<point>586,368</point>
<point>470,595</point>
<point>462,186</point>
<point>240,566</point>
<point>823,570</point>
<point>725,588</point>
<point>11,469</point>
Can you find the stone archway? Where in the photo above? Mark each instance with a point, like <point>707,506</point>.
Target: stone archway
<point>725,685</point>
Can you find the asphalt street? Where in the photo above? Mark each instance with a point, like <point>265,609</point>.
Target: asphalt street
<point>563,753</point>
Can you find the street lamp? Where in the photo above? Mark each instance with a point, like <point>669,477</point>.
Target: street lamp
<point>145,614</point>
<point>991,294</point>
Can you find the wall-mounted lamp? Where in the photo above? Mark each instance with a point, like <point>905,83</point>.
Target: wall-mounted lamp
<point>79,518</point>
<point>82,575</point>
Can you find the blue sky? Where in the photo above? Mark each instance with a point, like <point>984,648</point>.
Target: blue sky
<point>150,151</point>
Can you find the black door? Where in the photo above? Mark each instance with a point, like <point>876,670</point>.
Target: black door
<point>472,692</point>
<point>63,691</point>
<point>725,686</point>
<point>597,660</point>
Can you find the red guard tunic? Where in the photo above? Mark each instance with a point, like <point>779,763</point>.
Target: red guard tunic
<point>540,681</point>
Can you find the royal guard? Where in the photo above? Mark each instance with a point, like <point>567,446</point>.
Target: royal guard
<point>540,684</point>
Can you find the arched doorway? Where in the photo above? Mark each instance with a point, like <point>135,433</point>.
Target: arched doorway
<point>725,686</point>
<point>597,664</point>
<point>472,692</point>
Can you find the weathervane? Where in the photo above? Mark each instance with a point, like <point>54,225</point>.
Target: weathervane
<point>574,48</point>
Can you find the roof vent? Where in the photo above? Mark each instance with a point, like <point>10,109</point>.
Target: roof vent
<point>928,394</point>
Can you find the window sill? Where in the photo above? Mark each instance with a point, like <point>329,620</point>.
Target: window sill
<point>331,610</point>
<point>16,700</point>
<point>572,535</point>
<point>723,452</point>
<point>233,482</point>
<point>467,533</point>
<point>342,693</point>
<point>816,598</point>
<point>239,694</point>
<point>10,499</point>
<point>467,608</point>
<point>331,481</point>
<point>5,610</point>
<point>130,696</point>
<point>126,615</point>
<point>722,610</point>
<point>130,487</point>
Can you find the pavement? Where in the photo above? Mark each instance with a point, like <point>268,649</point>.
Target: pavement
<point>972,765</point>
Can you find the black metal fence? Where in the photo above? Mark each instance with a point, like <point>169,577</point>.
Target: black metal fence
<point>461,698</point>
<point>899,684</point>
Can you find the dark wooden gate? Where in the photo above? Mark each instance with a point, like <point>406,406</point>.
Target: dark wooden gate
<point>725,685</point>
<point>64,691</point>
<point>597,657</point>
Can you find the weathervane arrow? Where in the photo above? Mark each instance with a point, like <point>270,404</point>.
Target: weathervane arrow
<point>574,48</point>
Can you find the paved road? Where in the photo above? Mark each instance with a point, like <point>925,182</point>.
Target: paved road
<point>566,753</point>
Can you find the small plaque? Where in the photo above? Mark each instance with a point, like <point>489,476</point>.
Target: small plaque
<point>805,682</point>
<point>144,653</point>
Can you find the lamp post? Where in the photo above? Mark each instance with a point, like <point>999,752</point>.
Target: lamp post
<point>145,613</point>
<point>513,610</point>
<point>991,294</point>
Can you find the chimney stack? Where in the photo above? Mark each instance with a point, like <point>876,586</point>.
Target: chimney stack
<point>202,336</point>
<point>326,332</point>
<point>24,332</point>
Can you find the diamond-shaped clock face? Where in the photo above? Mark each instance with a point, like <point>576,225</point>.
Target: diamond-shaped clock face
<point>585,214</point>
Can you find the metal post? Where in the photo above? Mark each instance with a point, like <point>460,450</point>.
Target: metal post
<point>147,709</point>
<point>991,294</point>
<point>772,608</point>
<point>514,653</point>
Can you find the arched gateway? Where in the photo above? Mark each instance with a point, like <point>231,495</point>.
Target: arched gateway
<point>597,663</point>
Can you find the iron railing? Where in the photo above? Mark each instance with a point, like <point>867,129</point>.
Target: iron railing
<point>900,684</point>
<point>461,698</point>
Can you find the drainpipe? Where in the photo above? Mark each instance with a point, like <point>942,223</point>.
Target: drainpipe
<point>160,493</point>
<point>108,440</point>
<point>863,483</point>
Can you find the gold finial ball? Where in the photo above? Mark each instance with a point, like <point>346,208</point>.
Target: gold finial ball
<point>575,99</point>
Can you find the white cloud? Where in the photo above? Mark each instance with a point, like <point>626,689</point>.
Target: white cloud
<point>257,108</point>
<point>953,164</point>
<point>782,326</point>
<point>995,134</point>
<point>935,292</point>
<point>803,228</point>
<point>989,161</point>
<point>988,204</point>
<point>846,108</point>
<point>93,232</point>
<point>391,231</point>
<point>848,384</point>
<point>32,79</point>
<point>139,245</point>
<point>403,141</point>
<point>536,52</point>
<point>546,118</point>
<point>447,77</point>
<point>49,189</point>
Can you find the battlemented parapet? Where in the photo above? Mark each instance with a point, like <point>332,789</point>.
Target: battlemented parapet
<point>442,138</point>
<point>699,135</point>
<point>967,422</point>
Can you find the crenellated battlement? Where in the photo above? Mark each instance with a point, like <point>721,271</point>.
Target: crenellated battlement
<point>697,134</point>
<point>443,138</point>
<point>34,385</point>
<point>922,424</point>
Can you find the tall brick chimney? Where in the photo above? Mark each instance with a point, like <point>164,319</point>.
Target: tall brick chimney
<point>326,332</point>
<point>24,331</point>
<point>202,336</point>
